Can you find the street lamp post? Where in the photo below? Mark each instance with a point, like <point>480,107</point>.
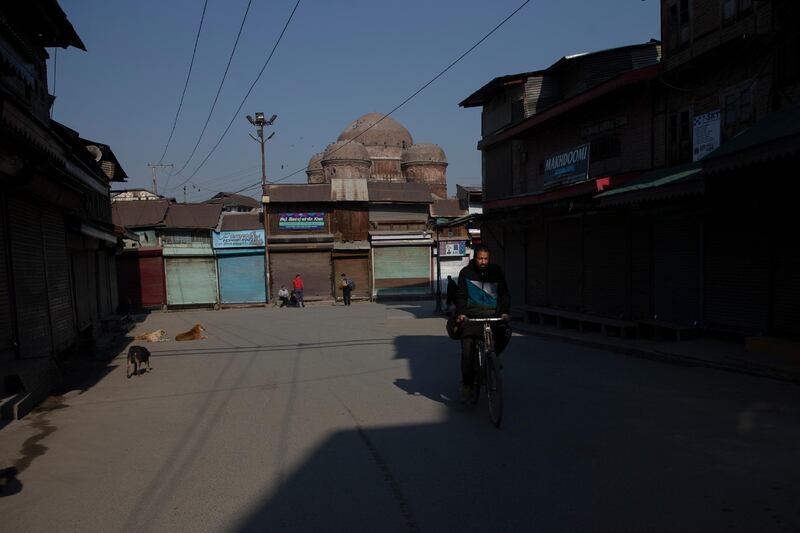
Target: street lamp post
<point>259,122</point>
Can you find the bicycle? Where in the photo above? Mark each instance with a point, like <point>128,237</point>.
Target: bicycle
<point>487,371</point>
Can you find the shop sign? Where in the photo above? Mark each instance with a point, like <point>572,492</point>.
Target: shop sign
<point>452,248</point>
<point>252,238</point>
<point>567,167</point>
<point>301,221</point>
<point>705,138</point>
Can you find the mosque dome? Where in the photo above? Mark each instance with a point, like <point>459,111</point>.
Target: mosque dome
<point>342,150</point>
<point>370,131</point>
<point>423,153</point>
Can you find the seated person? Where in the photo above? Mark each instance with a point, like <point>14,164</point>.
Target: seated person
<point>283,296</point>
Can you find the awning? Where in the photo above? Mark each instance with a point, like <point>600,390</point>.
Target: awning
<point>98,233</point>
<point>657,185</point>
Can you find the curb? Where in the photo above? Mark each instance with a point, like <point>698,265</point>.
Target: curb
<point>743,367</point>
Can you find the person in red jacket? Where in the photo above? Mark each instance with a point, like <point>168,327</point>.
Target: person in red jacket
<point>297,284</point>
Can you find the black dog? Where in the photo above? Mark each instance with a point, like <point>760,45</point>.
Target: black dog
<point>138,355</point>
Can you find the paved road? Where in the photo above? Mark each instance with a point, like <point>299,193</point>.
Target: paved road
<point>341,419</point>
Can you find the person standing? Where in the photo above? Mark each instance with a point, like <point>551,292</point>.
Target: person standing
<point>297,285</point>
<point>452,290</point>
<point>347,288</point>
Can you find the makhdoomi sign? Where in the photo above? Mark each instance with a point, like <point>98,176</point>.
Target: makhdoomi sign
<point>567,167</point>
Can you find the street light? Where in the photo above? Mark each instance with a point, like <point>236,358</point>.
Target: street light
<point>259,122</point>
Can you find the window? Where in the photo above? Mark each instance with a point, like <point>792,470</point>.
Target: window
<point>732,9</point>
<point>604,148</point>
<point>679,137</point>
<point>738,110</point>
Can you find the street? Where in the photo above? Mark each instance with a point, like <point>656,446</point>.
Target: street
<point>334,418</point>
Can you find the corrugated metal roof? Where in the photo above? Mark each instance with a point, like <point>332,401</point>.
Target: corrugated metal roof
<point>241,221</point>
<point>306,192</point>
<point>193,216</point>
<point>449,208</point>
<point>657,184</point>
<point>351,245</point>
<point>227,198</point>
<point>139,213</point>
<point>349,190</point>
<point>399,192</point>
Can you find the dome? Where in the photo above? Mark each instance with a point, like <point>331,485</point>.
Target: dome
<point>387,132</point>
<point>343,150</point>
<point>315,163</point>
<point>423,153</point>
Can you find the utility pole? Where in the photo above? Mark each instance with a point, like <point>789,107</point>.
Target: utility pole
<point>259,122</point>
<point>153,167</point>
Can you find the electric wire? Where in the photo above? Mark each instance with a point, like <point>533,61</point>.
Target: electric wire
<point>186,83</point>
<point>219,90</point>
<point>404,102</point>
<point>252,86</point>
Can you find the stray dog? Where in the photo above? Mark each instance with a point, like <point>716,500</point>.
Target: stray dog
<point>158,335</point>
<point>192,335</point>
<point>138,356</point>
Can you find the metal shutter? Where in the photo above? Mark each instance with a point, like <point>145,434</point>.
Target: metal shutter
<point>191,280</point>
<point>536,287</point>
<point>402,270</point>
<point>515,263</point>
<point>241,276</point>
<point>81,286</point>
<point>59,289</point>
<point>677,248</point>
<point>641,269</point>
<point>564,263</point>
<point>27,257</point>
<point>6,321</point>
<point>605,286</point>
<point>357,269</point>
<point>313,267</point>
<point>736,274</point>
<point>786,290</point>
<point>153,284</point>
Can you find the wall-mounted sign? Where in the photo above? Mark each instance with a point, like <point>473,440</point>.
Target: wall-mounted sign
<point>567,167</point>
<point>452,248</point>
<point>301,221</point>
<point>705,137</point>
<point>251,238</point>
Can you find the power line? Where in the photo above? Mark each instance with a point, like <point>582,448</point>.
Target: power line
<point>219,90</point>
<point>404,102</point>
<point>236,113</point>
<point>186,84</point>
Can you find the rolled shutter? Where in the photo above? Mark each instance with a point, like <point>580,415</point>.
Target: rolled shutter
<point>59,288</point>
<point>314,267</point>
<point>191,280</point>
<point>564,263</point>
<point>605,286</point>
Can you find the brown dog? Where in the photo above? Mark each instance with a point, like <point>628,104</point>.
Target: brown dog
<point>192,335</point>
<point>158,335</point>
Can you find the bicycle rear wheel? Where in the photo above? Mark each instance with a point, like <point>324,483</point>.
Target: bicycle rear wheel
<point>476,371</point>
<point>494,389</point>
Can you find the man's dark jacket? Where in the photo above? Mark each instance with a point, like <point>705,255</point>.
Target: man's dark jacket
<point>482,294</point>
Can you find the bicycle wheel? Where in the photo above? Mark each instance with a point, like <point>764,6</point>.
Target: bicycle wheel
<point>494,389</point>
<point>476,371</point>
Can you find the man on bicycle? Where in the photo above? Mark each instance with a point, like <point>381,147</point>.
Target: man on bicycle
<point>482,293</point>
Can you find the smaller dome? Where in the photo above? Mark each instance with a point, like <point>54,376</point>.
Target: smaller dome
<point>315,163</point>
<point>423,153</point>
<point>345,150</point>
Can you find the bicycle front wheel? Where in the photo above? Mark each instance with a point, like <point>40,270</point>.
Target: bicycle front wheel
<point>494,389</point>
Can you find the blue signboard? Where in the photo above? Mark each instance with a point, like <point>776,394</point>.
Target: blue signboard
<point>301,221</point>
<point>567,167</point>
<point>452,248</point>
<point>251,238</point>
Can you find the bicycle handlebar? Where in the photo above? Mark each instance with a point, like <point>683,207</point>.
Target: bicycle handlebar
<point>467,319</point>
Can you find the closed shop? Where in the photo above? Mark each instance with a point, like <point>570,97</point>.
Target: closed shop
<point>191,280</point>
<point>240,261</point>
<point>30,279</point>
<point>241,276</point>
<point>677,264</point>
<point>401,271</point>
<point>356,266</point>
<point>6,309</point>
<point>454,257</point>
<point>564,267</point>
<point>605,271</point>
<point>641,270</point>
<point>786,290</point>
<point>536,287</point>
<point>737,274</point>
<point>515,258</point>
<point>59,290</point>
<point>140,275</point>
<point>313,265</point>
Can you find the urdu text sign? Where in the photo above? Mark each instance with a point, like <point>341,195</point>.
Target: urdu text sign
<point>300,221</point>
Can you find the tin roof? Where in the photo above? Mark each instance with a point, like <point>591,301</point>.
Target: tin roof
<point>193,216</point>
<point>305,192</point>
<point>350,190</point>
<point>241,221</point>
<point>447,208</point>
<point>139,213</point>
<point>46,20</point>
<point>409,193</point>
<point>229,198</point>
